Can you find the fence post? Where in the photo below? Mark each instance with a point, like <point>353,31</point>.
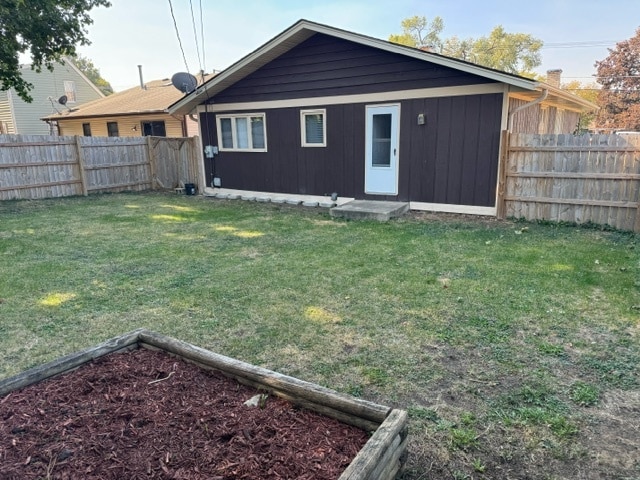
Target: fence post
<point>152,162</point>
<point>196,159</point>
<point>83,177</point>
<point>501,207</point>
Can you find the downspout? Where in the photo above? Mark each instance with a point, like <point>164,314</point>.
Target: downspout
<point>504,155</point>
<point>540,99</point>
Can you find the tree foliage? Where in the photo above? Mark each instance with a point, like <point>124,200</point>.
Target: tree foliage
<point>517,53</point>
<point>619,75</point>
<point>588,91</point>
<point>92,72</point>
<point>418,32</point>
<point>47,29</point>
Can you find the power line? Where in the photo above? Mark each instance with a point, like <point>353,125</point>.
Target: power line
<point>204,61</point>
<point>195,34</point>
<point>175,24</point>
<point>585,44</point>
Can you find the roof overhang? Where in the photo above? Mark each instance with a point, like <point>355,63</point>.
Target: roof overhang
<point>62,116</point>
<point>304,29</point>
<point>556,98</point>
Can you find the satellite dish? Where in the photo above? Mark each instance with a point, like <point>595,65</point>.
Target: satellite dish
<point>185,82</point>
<point>63,100</point>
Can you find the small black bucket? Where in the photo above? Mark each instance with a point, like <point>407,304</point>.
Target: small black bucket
<point>189,188</point>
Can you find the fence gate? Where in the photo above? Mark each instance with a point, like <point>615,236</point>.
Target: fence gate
<point>174,161</point>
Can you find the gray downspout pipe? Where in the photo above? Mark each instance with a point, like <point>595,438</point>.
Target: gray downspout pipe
<point>540,99</point>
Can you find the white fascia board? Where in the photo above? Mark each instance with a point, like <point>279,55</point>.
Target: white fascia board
<point>420,55</point>
<point>189,101</point>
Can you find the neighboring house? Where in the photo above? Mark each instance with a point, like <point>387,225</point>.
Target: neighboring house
<point>20,117</point>
<point>136,112</point>
<point>318,110</point>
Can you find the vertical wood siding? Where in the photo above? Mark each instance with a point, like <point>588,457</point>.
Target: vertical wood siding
<point>324,65</point>
<point>543,119</point>
<point>452,159</point>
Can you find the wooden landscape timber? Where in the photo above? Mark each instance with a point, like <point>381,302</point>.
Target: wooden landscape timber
<point>380,459</point>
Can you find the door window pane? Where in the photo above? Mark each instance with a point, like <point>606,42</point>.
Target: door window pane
<point>381,140</point>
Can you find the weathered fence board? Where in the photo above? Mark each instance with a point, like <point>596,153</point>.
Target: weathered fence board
<point>37,166</point>
<point>570,178</point>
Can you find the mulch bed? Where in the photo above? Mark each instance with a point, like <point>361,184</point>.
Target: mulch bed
<point>145,414</point>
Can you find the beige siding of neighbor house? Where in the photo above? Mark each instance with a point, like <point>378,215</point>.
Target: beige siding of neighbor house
<point>128,126</point>
<point>6,117</point>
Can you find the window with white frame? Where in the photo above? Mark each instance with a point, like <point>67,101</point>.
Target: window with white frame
<point>70,90</point>
<point>245,132</point>
<point>313,127</point>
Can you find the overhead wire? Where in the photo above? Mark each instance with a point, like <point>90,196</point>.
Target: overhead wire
<point>175,24</point>
<point>204,61</point>
<point>195,34</point>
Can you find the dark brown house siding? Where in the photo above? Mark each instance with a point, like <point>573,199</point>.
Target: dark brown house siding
<point>326,66</point>
<point>451,159</point>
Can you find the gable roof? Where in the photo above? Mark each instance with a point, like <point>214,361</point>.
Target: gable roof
<point>26,68</point>
<point>155,98</point>
<point>304,29</point>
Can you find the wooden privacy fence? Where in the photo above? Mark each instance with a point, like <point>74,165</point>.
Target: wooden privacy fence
<point>571,178</point>
<point>37,166</point>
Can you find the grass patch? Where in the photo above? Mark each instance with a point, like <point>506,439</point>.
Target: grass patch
<point>584,394</point>
<point>496,337</point>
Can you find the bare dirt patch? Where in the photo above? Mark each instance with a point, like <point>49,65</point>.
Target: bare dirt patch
<point>145,414</point>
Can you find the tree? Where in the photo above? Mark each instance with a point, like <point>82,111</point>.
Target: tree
<point>517,53</point>
<point>48,29</point>
<point>418,32</point>
<point>588,91</point>
<point>619,75</point>
<point>87,67</point>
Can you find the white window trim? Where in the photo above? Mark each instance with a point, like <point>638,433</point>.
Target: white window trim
<point>303,129</point>
<point>233,117</point>
<point>70,91</point>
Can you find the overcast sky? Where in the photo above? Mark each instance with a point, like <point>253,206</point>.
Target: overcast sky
<point>576,33</point>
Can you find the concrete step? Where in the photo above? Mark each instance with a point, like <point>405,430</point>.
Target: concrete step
<point>370,210</point>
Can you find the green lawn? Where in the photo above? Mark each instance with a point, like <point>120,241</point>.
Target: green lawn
<point>514,347</point>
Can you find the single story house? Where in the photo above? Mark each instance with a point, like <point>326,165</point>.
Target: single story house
<point>318,110</point>
<point>135,112</point>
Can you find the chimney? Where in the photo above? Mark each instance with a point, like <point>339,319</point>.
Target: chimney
<point>554,77</point>
<point>142,81</point>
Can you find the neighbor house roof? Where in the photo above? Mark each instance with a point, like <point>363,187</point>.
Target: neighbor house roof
<point>304,29</point>
<point>154,98</point>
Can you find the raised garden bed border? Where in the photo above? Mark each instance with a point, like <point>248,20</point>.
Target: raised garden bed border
<point>380,459</point>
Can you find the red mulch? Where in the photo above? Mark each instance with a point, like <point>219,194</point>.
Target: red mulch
<point>107,421</point>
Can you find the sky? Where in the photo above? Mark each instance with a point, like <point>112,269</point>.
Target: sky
<point>576,33</point>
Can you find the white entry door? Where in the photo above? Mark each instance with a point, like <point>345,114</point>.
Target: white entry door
<point>381,151</point>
